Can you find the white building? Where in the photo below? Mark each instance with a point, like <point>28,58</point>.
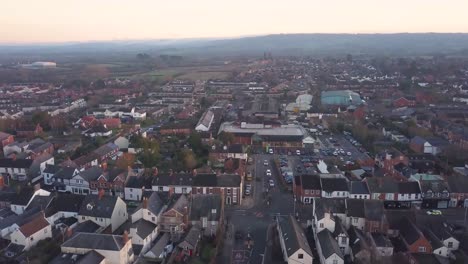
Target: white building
<point>103,210</point>
<point>31,232</point>
<point>293,241</point>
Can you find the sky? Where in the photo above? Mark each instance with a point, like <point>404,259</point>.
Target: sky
<point>35,21</point>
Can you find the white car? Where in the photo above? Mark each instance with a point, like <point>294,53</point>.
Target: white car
<point>298,152</point>
<point>271,183</point>
<point>434,212</point>
<point>349,153</point>
<point>270,151</point>
<point>268,172</point>
<point>265,162</point>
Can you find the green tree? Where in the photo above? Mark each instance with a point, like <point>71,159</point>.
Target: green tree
<point>41,118</point>
<point>226,137</point>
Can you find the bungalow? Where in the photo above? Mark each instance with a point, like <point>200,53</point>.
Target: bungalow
<point>29,234</point>
<point>114,249</point>
<point>293,241</point>
<point>106,211</point>
<point>206,211</point>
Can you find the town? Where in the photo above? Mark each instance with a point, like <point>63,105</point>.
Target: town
<point>351,159</point>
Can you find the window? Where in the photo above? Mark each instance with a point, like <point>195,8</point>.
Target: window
<point>184,190</point>
<point>153,218</point>
<point>450,245</point>
<point>300,256</point>
<point>83,218</point>
<point>422,249</point>
<point>228,191</point>
<point>355,220</point>
<point>321,225</point>
<point>45,231</point>
<point>210,191</point>
<point>335,261</point>
<point>343,240</point>
<point>149,213</point>
<point>131,190</point>
<point>131,195</point>
<point>101,219</point>
<point>32,238</point>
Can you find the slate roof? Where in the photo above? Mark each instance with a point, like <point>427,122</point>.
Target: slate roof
<point>408,187</point>
<point>65,173</point>
<point>177,179</point>
<point>213,180</point>
<point>381,241</point>
<point>203,206</point>
<point>87,226</point>
<point>334,206</point>
<point>372,210</point>
<point>91,174</point>
<point>23,197</point>
<point>328,244</point>
<point>155,203</point>
<point>293,236</point>
<point>334,184</point>
<point>382,185</point>
<point>98,207</point>
<point>91,257</point>
<point>95,241</point>
<point>418,140</point>
<point>310,182</point>
<point>65,202</point>
<point>409,232</point>
<point>433,239</point>
<point>192,237</point>
<point>357,240</point>
<point>435,186</point>
<point>143,228</point>
<point>15,163</point>
<point>41,202</point>
<point>358,187</point>
<point>178,203</point>
<point>51,169</point>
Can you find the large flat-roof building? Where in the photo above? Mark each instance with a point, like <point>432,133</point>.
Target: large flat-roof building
<point>341,98</point>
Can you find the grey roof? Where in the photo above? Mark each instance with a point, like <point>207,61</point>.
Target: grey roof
<point>65,173</point>
<point>310,182</point>
<point>15,163</point>
<point>192,237</point>
<point>334,206</point>
<point>65,202</point>
<point>95,241</point>
<point>372,210</point>
<point>178,179</point>
<point>213,180</point>
<point>358,187</point>
<point>23,197</point>
<point>155,203</point>
<point>178,203</point>
<point>41,202</point>
<point>432,238</point>
<point>160,243</point>
<point>87,226</point>
<point>418,140</point>
<point>382,185</point>
<point>409,232</point>
<point>293,236</point>
<point>328,244</point>
<point>357,240</point>
<point>334,184</point>
<point>105,149</point>
<point>409,187</point>
<point>91,257</point>
<point>91,174</point>
<point>51,169</point>
<point>95,207</point>
<point>203,206</point>
<point>381,240</point>
<point>143,228</point>
<point>437,186</point>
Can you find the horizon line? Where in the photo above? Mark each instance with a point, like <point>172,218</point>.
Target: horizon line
<point>27,43</point>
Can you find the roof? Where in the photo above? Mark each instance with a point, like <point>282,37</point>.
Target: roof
<point>432,238</point>
<point>418,140</point>
<point>372,210</point>
<point>41,202</point>
<point>95,241</point>
<point>213,180</point>
<point>178,203</point>
<point>293,235</point>
<point>408,187</point>
<point>328,244</point>
<point>143,228</point>
<point>334,184</point>
<point>205,206</point>
<point>159,244</point>
<point>37,223</point>
<point>91,174</point>
<point>65,173</point>
<point>178,179</point>
<point>192,237</point>
<point>435,186</point>
<point>65,202</point>
<point>408,230</point>
<point>51,169</point>
<point>15,163</point>
<point>310,182</point>
<point>23,197</point>
<point>381,241</point>
<point>105,149</point>
<point>95,207</point>
<point>382,185</point>
<point>4,135</point>
<point>358,187</point>
<point>334,206</point>
<point>357,240</point>
<point>91,257</point>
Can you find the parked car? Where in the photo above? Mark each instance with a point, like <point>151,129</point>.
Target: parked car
<point>298,152</point>
<point>268,172</point>
<point>265,162</point>
<point>434,212</point>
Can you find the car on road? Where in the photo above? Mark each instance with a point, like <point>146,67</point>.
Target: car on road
<point>298,152</point>
<point>270,151</point>
<point>265,162</point>
<point>434,212</point>
<point>247,192</point>
<point>268,172</point>
<point>349,153</point>
<point>271,183</point>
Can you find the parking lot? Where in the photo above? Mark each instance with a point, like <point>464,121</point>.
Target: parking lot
<point>342,147</point>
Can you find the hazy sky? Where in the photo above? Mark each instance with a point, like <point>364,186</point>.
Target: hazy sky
<point>84,20</point>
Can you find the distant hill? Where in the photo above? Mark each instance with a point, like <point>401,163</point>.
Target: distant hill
<point>280,44</point>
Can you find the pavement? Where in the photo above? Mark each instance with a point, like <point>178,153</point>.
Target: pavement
<point>254,219</point>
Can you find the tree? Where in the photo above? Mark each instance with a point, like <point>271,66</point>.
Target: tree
<point>226,137</point>
<point>190,161</point>
<point>41,118</point>
<point>125,161</point>
<point>195,141</point>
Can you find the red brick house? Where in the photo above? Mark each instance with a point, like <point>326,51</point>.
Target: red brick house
<point>404,102</point>
<point>176,129</point>
<point>6,139</point>
<point>112,181</point>
<point>306,188</point>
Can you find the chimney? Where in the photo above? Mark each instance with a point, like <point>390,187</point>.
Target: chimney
<point>194,172</point>
<point>69,232</point>
<point>13,157</point>
<point>2,182</point>
<point>145,203</point>
<point>101,194</point>
<point>125,237</point>
<point>155,171</point>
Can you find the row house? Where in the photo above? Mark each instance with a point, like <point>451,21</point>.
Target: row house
<point>435,194</point>
<point>306,188</point>
<point>227,185</point>
<point>394,194</point>
<point>235,151</point>
<point>458,186</point>
<point>367,215</point>
<point>112,181</point>
<point>174,219</point>
<point>334,187</point>
<point>293,241</point>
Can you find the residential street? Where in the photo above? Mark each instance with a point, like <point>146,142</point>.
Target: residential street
<point>254,221</point>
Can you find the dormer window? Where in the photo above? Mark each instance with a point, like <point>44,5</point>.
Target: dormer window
<point>89,206</point>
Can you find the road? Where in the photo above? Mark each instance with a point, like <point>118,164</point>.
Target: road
<point>255,221</point>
